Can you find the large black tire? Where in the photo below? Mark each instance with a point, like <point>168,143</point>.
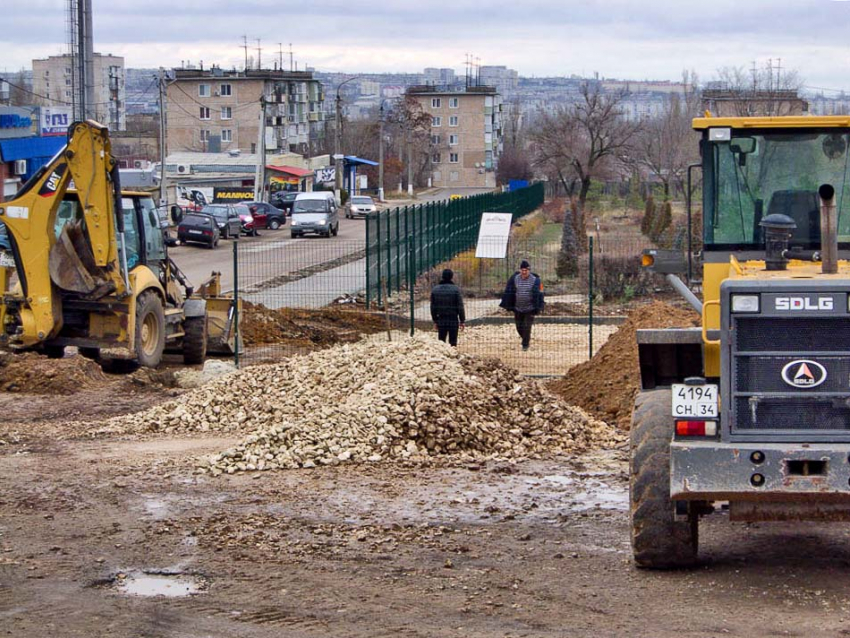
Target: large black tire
<point>274,224</point>
<point>659,540</point>
<point>89,353</point>
<point>54,352</point>
<point>194,340</point>
<point>150,329</point>
<point>225,234</point>
<point>335,230</point>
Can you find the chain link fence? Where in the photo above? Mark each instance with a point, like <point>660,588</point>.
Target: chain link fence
<point>302,294</point>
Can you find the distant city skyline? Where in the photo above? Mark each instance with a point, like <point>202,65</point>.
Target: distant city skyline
<point>652,40</point>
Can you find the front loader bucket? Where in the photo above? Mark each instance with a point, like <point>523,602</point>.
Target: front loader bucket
<point>72,266</point>
<point>221,328</point>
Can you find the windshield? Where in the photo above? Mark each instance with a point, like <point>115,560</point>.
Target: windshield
<point>216,211</point>
<point>365,201</point>
<point>310,206</point>
<point>197,220</point>
<point>761,173</point>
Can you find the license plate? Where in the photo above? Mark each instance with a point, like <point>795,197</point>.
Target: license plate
<point>694,400</point>
<point>6,260</point>
<point>196,232</point>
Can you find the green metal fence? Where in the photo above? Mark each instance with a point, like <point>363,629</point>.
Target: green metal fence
<point>406,241</point>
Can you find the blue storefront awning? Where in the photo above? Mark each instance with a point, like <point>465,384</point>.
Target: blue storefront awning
<point>36,150</point>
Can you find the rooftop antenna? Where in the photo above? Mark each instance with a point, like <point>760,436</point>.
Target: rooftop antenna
<point>245,46</point>
<point>280,55</point>
<point>477,71</point>
<point>290,56</point>
<point>259,55</point>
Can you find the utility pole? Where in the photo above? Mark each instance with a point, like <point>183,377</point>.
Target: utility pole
<point>338,143</point>
<point>409,163</point>
<point>260,177</point>
<point>381,154</point>
<point>163,189</point>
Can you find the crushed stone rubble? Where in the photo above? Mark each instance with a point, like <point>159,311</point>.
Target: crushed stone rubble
<point>367,402</point>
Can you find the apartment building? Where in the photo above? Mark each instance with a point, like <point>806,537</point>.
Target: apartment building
<point>53,78</point>
<point>216,110</point>
<point>466,134</point>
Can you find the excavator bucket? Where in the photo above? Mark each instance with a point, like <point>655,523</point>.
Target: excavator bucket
<point>222,317</point>
<point>72,266</point>
<point>221,326</point>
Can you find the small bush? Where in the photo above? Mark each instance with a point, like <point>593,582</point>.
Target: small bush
<point>663,220</point>
<point>648,216</point>
<point>567,265</point>
<point>620,278</point>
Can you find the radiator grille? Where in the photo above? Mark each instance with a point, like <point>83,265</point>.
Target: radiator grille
<point>763,346</point>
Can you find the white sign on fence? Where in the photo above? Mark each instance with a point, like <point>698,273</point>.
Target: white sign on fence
<point>493,235</point>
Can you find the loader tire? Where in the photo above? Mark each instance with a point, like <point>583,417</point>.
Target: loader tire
<point>150,329</point>
<point>89,353</point>
<point>194,340</point>
<point>54,352</point>
<point>659,540</point>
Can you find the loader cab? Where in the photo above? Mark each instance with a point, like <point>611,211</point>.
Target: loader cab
<point>771,165</point>
<point>142,227</point>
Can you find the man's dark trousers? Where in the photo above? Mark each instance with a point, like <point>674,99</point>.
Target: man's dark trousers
<point>523,322</point>
<point>447,328</point>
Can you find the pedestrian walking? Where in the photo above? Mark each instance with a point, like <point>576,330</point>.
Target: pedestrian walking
<point>524,296</point>
<point>447,308</point>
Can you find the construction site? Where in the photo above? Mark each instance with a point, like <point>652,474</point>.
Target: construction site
<point>288,449</point>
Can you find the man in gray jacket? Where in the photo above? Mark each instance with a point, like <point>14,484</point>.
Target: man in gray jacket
<point>447,308</point>
<point>524,296</point>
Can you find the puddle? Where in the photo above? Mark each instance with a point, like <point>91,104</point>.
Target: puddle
<point>168,585</point>
<point>592,493</point>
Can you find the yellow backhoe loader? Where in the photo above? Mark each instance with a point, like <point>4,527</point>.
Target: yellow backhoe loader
<point>88,267</point>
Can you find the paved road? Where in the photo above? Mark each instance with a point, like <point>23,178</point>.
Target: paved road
<point>271,254</point>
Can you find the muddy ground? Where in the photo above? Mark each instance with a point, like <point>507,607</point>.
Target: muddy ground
<point>536,548</point>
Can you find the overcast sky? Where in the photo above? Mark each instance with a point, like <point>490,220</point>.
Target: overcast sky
<point>630,39</point>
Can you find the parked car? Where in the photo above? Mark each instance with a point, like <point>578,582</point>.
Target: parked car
<point>314,213</point>
<point>359,205</point>
<point>284,200</point>
<point>267,216</point>
<point>199,228</point>
<point>246,220</point>
<point>226,217</point>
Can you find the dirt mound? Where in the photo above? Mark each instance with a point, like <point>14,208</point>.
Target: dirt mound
<point>310,329</point>
<point>606,385</point>
<point>33,373</point>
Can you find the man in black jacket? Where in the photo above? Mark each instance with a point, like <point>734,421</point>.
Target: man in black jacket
<point>447,308</point>
<point>524,296</point>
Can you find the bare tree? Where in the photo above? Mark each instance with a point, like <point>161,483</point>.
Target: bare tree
<point>18,94</point>
<point>582,141</point>
<point>763,91</point>
<point>667,144</point>
<point>413,130</point>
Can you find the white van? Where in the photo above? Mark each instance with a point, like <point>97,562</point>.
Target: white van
<point>314,213</point>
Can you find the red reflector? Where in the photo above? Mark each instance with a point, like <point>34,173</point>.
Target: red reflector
<point>696,428</point>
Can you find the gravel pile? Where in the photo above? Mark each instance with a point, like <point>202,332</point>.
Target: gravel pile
<point>411,399</point>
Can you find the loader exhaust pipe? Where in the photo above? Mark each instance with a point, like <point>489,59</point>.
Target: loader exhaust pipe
<point>828,230</point>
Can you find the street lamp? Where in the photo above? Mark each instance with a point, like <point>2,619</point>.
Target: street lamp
<point>337,143</point>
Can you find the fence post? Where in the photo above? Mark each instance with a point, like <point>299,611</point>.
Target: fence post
<point>411,270</point>
<point>368,299</point>
<point>590,296</point>
<point>389,278</point>
<point>379,256</point>
<point>236,303</point>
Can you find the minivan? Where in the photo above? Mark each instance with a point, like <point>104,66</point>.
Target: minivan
<point>314,213</point>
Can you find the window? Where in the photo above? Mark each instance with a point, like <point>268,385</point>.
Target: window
<point>453,102</point>
<point>435,102</point>
<point>226,90</point>
<point>435,140</point>
<point>226,112</point>
<point>453,158</point>
<point>453,120</point>
<point>226,135</point>
<point>203,90</point>
<point>67,94</point>
<point>205,135</point>
<point>436,121</point>
<point>205,112</point>
<point>67,81</point>
<point>435,158</point>
<point>453,176</point>
<point>453,140</point>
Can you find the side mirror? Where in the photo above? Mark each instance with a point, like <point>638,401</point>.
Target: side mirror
<point>743,146</point>
<point>176,214</point>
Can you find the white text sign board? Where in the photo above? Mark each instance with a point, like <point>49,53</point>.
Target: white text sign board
<point>493,235</point>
